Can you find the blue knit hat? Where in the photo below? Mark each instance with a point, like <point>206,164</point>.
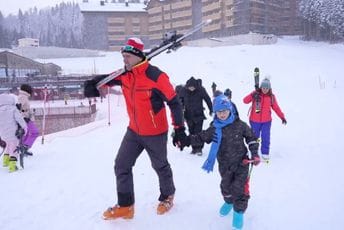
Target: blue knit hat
<point>222,102</point>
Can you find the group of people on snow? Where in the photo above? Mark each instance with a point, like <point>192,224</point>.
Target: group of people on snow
<point>234,144</point>
<point>147,90</point>
<point>18,131</point>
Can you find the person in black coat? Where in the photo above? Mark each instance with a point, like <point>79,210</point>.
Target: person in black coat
<point>192,96</point>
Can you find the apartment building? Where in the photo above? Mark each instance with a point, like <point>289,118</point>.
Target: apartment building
<point>149,20</point>
<point>108,24</point>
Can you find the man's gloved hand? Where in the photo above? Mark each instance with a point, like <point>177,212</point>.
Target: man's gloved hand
<point>284,121</point>
<point>184,142</point>
<point>180,139</point>
<point>90,86</point>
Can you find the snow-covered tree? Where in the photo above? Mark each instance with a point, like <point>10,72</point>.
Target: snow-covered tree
<point>4,41</point>
<point>324,19</point>
<point>62,25</point>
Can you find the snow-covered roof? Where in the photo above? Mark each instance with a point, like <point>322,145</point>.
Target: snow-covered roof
<point>96,6</point>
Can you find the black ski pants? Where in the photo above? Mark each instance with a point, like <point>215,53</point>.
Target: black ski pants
<point>131,147</point>
<point>195,127</point>
<point>233,181</point>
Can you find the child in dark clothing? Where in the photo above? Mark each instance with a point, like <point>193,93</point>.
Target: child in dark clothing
<point>228,135</point>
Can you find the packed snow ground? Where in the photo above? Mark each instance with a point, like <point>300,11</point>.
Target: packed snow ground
<point>69,181</point>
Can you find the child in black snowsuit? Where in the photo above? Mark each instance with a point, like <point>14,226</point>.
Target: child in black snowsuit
<point>228,135</point>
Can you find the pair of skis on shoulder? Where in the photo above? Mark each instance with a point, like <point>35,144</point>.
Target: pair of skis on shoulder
<point>256,96</point>
<point>171,42</point>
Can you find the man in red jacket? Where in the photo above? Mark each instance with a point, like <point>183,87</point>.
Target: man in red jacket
<point>146,89</point>
<point>263,100</point>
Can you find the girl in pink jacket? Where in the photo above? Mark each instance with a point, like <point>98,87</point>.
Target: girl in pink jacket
<point>263,100</point>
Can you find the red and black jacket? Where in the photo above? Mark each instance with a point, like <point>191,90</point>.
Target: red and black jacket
<point>145,89</point>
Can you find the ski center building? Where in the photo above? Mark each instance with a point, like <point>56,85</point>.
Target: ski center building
<point>14,67</point>
<point>28,42</point>
<point>16,70</point>
<point>49,86</point>
<point>109,23</point>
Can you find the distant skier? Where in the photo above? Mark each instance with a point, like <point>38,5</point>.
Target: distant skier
<point>260,118</point>
<point>24,94</point>
<point>10,119</point>
<point>192,97</point>
<point>228,135</point>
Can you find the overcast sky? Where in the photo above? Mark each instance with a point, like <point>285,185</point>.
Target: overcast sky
<point>12,6</point>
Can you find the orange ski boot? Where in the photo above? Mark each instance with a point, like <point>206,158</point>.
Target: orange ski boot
<point>119,212</point>
<point>165,205</point>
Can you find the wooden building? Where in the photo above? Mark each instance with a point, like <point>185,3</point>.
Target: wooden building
<point>14,66</point>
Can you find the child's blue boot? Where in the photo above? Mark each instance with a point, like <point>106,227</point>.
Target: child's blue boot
<point>238,220</point>
<point>226,209</point>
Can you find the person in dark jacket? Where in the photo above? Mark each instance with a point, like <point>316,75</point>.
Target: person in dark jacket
<point>229,137</point>
<point>146,89</point>
<point>192,96</point>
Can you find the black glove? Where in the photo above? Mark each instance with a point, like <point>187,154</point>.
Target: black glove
<point>255,95</point>
<point>19,132</point>
<point>19,105</point>
<point>211,113</point>
<point>228,93</point>
<point>90,86</point>
<point>180,139</point>
<point>184,142</point>
<point>284,121</point>
<point>2,143</point>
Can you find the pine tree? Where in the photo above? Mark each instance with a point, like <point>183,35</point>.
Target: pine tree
<point>324,19</point>
<point>4,34</point>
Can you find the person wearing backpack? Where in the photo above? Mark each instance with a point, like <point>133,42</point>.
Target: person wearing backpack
<point>260,114</point>
<point>10,119</point>
<point>192,96</point>
<point>23,105</point>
